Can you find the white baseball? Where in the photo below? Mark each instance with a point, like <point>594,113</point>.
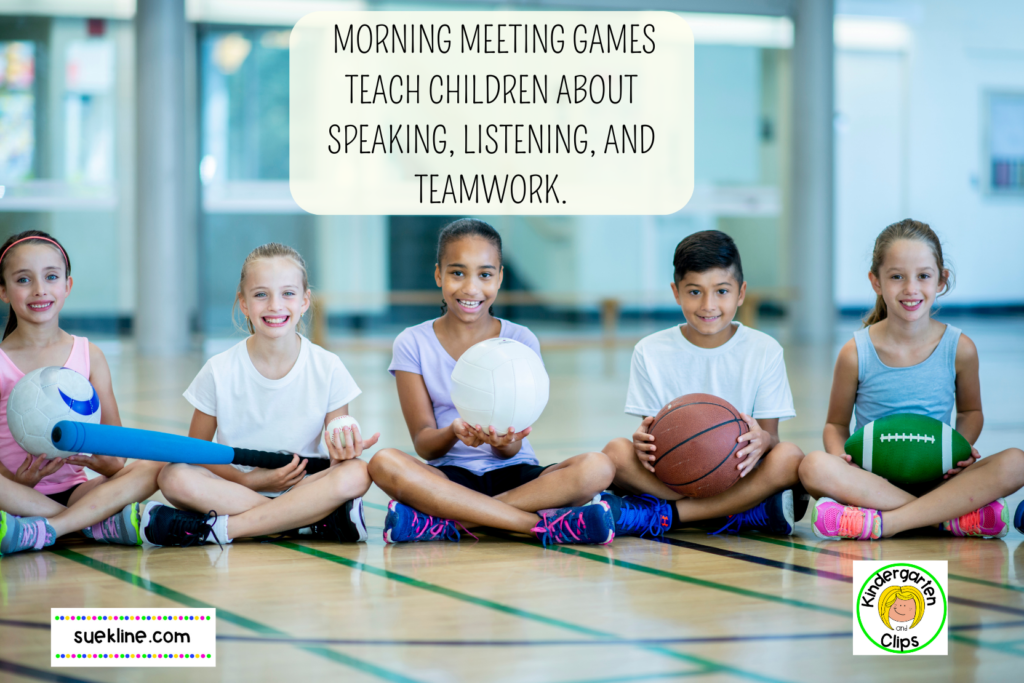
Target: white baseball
<point>337,423</point>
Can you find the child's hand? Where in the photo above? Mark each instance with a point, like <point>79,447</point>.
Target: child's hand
<point>106,465</point>
<point>499,440</point>
<point>963,464</point>
<point>34,469</point>
<point>849,460</point>
<point>278,479</point>
<point>352,443</point>
<point>759,441</point>
<point>643,443</point>
<point>465,433</point>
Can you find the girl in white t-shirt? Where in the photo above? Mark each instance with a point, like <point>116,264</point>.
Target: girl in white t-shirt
<point>274,391</point>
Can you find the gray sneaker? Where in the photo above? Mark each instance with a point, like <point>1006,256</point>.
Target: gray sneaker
<point>121,528</point>
<point>24,533</point>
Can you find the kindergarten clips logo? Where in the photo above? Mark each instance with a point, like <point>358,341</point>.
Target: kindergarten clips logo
<point>900,608</point>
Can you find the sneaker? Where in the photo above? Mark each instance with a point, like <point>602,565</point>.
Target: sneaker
<point>344,525</point>
<point>640,515</point>
<point>24,533</point>
<point>590,524</point>
<point>121,528</point>
<point>989,521</point>
<point>1018,517</point>
<point>773,515</point>
<point>164,525</point>
<point>831,521</point>
<point>405,524</point>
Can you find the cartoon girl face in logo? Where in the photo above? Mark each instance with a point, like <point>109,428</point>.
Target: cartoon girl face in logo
<point>901,604</point>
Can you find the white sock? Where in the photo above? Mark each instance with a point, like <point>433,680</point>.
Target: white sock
<point>219,531</point>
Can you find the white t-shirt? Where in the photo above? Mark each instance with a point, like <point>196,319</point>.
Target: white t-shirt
<point>279,415</point>
<point>748,371</point>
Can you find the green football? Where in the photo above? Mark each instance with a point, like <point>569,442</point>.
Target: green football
<point>907,448</point>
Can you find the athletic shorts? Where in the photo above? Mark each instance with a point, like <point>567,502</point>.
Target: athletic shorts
<point>63,497</point>
<point>496,481</point>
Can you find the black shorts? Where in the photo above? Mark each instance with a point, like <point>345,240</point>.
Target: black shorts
<point>496,481</point>
<point>63,497</point>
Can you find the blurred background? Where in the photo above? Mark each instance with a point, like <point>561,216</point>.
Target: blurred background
<point>151,137</point>
<point>928,122</point>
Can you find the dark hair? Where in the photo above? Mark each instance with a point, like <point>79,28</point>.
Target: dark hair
<point>906,229</point>
<point>6,251</point>
<point>465,227</point>
<point>702,251</point>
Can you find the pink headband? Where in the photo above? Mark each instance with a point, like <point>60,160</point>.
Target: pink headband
<point>37,237</point>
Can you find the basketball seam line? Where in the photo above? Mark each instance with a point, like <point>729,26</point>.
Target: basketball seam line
<point>691,438</point>
<point>683,405</point>
<point>712,471</point>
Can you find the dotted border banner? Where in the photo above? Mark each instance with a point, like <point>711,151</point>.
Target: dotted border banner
<point>133,637</point>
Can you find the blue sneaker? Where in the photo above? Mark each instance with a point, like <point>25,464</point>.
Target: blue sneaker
<point>774,515</point>
<point>1018,517</point>
<point>640,515</point>
<point>590,524</point>
<point>24,533</point>
<point>405,524</point>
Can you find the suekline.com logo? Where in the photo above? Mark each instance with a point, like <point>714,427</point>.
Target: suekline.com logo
<point>900,608</point>
<point>133,637</point>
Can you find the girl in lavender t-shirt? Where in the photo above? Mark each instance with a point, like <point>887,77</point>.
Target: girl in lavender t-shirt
<point>484,475</point>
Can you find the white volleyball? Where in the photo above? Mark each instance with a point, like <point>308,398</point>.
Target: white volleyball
<point>44,397</point>
<point>500,383</point>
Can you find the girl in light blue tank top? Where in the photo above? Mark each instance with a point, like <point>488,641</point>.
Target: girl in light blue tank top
<point>927,388</point>
<point>905,362</point>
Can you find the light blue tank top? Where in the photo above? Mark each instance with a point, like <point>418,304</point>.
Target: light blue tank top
<point>927,388</point>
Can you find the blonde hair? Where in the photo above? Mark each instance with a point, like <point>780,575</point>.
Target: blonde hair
<point>893,593</point>
<point>267,251</point>
<point>906,229</point>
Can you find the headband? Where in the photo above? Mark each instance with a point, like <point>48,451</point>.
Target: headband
<point>37,237</point>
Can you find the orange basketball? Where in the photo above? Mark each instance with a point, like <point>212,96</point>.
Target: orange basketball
<point>696,437</point>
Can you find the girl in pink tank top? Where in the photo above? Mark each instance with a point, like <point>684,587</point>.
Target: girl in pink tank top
<point>41,499</point>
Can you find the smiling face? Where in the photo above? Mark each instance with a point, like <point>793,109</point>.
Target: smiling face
<point>35,282</point>
<point>709,301</point>
<point>273,298</point>
<point>903,610</point>
<point>909,280</point>
<point>470,277</point>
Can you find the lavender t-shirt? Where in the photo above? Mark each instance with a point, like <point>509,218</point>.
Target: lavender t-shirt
<point>418,350</point>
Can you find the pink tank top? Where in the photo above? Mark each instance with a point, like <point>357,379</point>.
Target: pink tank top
<point>11,454</point>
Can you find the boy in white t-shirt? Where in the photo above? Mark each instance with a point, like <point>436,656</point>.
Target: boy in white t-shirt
<point>710,354</point>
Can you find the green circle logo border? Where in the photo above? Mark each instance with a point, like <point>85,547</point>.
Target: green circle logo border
<point>945,608</point>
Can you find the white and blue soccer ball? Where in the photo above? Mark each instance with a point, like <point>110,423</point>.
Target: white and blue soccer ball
<point>44,397</point>
<point>501,383</point>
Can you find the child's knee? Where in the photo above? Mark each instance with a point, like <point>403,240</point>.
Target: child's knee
<point>175,479</point>
<point>813,470</point>
<point>619,451</point>
<point>148,468</point>
<point>351,479</point>
<point>385,463</point>
<point>596,471</point>
<point>783,462</point>
<point>1011,467</point>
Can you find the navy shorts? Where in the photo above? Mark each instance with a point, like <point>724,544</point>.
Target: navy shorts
<point>496,481</point>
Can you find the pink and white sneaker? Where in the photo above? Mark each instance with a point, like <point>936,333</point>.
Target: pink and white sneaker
<point>990,521</point>
<point>833,521</point>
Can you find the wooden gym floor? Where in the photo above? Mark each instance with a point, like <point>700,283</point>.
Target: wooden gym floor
<point>691,606</point>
